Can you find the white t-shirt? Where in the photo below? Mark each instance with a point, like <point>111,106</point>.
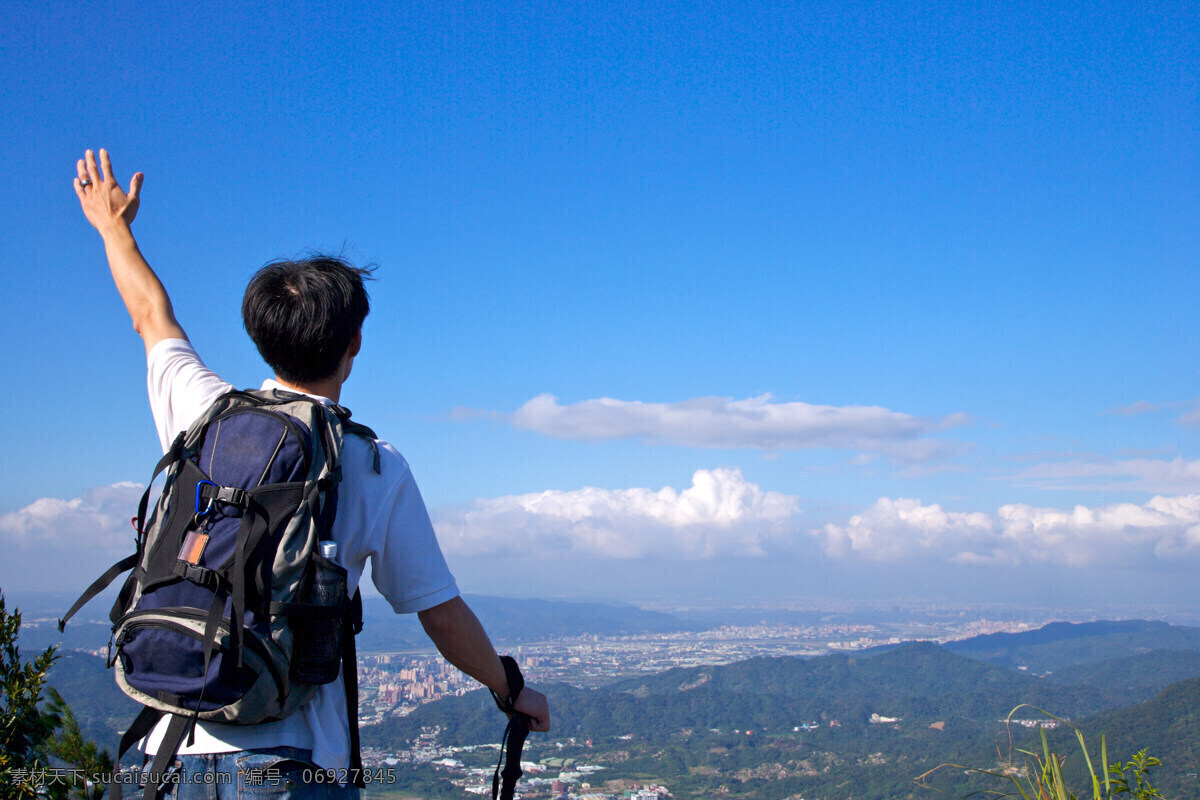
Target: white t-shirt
<point>380,517</point>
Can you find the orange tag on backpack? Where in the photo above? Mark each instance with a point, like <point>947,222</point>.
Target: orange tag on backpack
<point>193,547</point>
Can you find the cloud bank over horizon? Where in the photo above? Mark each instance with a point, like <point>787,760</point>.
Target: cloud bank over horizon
<point>720,514</point>
<point>80,537</point>
<point>755,423</point>
<point>99,520</point>
<point>1120,534</point>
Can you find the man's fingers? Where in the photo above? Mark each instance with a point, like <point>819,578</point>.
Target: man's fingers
<point>534,705</point>
<point>93,171</point>
<point>105,165</point>
<point>135,185</point>
<point>80,177</point>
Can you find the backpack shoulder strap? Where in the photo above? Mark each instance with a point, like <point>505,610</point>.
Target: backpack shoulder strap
<point>369,435</point>
<point>358,429</point>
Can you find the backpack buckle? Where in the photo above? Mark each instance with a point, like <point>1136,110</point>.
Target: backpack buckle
<point>202,576</point>
<point>200,495</point>
<point>232,496</point>
<point>227,497</point>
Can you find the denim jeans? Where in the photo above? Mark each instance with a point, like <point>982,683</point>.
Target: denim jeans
<point>276,773</point>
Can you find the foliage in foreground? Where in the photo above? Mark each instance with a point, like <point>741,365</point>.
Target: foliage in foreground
<point>1034,775</point>
<point>43,752</point>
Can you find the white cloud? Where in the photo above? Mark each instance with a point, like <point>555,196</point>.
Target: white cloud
<point>756,422</point>
<point>1123,534</point>
<point>100,520</point>
<point>65,544</point>
<point>1189,418</point>
<point>1133,409</point>
<point>1164,528</point>
<point>720,514</point>
<point>892,530</point>
<point>1145,474</point>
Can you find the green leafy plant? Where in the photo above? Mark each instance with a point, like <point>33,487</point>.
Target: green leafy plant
<point>43,752</point>
<point>80,762</point>
<point>23,727</point>
<point>1131,778</point>
<point>1039,775</point>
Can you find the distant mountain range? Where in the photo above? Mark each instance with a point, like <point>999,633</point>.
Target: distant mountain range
<point>1063,644</point>
<point>511,620</point>
<point>505,619</point>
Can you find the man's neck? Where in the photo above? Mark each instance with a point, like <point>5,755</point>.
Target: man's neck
<point>331,387</point>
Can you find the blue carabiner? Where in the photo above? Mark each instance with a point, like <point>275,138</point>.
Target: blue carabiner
<point>207,508</point>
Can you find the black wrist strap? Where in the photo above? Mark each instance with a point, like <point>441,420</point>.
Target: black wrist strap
<point>504,783</point>
<point>516,682</point>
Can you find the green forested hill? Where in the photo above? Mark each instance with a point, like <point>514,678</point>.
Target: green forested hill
<point>1142,676</point>
<point>919,683</point>
<point>1167,726</point>
<point>772,728</point>
<point>1062,644</point>
<point>89,689</point>
<point>915,680</point>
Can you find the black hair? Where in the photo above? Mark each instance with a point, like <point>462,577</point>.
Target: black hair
<point>302,315</point>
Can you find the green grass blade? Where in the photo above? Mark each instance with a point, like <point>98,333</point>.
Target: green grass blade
<point>1104,762</point>
<point>1091,769</point>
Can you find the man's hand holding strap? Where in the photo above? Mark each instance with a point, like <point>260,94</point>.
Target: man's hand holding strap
<point>504,783</point>
<point>516,683</point>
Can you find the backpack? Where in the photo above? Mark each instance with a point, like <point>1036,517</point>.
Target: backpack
<point>235,610</point>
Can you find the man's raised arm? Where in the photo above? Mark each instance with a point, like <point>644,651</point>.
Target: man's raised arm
<point>111,211</point>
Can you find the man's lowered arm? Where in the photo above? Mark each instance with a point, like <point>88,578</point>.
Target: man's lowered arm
<point>111,211</point>
<point>460,638</point>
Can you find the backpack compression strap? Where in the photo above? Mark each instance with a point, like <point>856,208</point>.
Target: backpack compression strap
<point>513,741</point>
<point>154,777</point>
<point>167,748</point>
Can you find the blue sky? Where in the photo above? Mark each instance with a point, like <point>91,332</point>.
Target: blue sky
<point>884,294</point>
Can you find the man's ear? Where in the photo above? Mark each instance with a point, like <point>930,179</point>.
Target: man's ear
<point>356,343</point>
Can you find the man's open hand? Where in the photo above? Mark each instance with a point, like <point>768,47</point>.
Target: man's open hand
<point>104,202</point>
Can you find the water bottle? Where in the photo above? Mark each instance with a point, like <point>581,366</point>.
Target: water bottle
<point>317,648</point>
